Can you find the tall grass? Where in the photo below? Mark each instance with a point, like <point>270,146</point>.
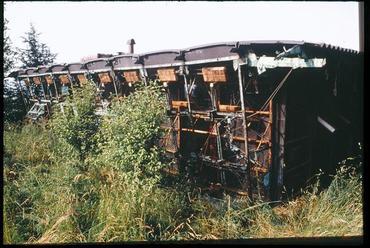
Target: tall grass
<point>335,211</point>
<point>35,189</point>
<point>113,192</point>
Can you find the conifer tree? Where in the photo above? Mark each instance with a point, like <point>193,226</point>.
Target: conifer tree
<point>9,52</point>
<point>35,53</point>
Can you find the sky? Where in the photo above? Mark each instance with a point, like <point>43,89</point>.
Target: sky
<point>75,30</point>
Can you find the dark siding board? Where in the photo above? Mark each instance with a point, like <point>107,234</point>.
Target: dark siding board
<point>301,114</point>
<point>278,143</point>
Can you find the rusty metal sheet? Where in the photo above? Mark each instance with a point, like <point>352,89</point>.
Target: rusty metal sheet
<point>228,108</point>
<point>131,76</point>
<point>82,79</point>
<point>214,74</point>
<point>49,79</point>
<point>179,104</point>
<point>105,78</point>
<point>64,79</point>
<point>167,75</point>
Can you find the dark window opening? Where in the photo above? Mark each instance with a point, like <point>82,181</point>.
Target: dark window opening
<point>200,97</point>
<point>177,91</point>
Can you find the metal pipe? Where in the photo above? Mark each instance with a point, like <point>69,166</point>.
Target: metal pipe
<point>70,80</point>
<point>168,104</point>
<point>218,137</point>
<point>131,43</point>
<point>187,93</point>
<point>113,75</point>
<point>213,96</point>
<point>245,134</point>
<point>55,86</point>
<point>258,112</point>
<point>143,75</point>
<point>243,112</point>
<point>237,138</point>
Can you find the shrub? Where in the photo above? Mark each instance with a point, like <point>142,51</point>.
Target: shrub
<point>78,124</point>
<point>128,168</point>
<point>129,134</point>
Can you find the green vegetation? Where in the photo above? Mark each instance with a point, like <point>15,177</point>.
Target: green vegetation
<point>34,53</point>
<point>10,53</point>
<point>82,179</point>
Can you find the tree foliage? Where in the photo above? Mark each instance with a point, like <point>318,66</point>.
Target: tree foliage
<point>14,105</point>
<point>9,52</point>
<point>36,53</point>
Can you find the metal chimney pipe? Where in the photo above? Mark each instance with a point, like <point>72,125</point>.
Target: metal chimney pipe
<point>131,43</point>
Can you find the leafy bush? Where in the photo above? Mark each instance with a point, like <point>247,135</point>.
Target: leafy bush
<point>129,134</point>
<point>78,124</point>
<point>129,166</point>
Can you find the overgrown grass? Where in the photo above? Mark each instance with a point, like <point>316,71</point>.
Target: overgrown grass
<point>36,190</point>
<point>336,211</point>
<point>113,191</point>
